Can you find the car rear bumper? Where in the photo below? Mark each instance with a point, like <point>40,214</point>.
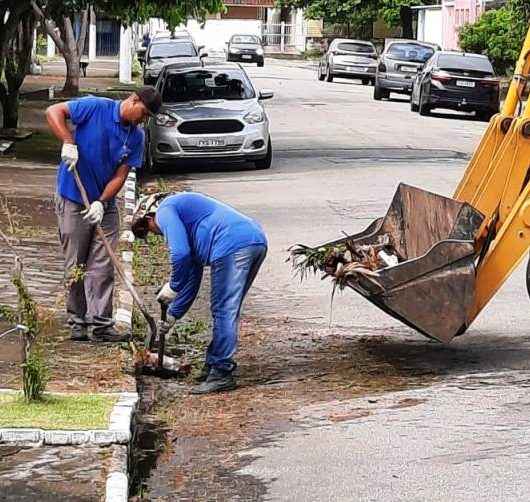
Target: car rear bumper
<point>343,71</point>
<point>457,101</point>
<point>402,86</point>
<point>240,58</point>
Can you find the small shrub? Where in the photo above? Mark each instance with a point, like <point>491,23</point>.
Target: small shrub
<point>34,377</point>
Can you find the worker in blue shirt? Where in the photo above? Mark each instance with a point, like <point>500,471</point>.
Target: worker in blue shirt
<point>106,144</point>
<point>201,231</point>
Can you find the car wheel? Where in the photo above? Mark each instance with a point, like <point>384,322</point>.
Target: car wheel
<point>424,108</point>
<point>151,166</point>
<point>365,81</point>
<point>266,162</point>
<point>329,75</point>
<point>261,64</point>
<point>320,75</point>
<point>379,93</point>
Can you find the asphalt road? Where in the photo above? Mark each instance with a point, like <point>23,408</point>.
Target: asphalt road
<point>339,156</point>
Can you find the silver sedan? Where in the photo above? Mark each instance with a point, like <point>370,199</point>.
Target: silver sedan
<point>210,113</point>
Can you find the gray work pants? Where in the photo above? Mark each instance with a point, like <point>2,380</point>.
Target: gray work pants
<point>89,272</point>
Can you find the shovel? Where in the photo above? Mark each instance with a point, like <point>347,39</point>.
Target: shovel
<point>151,336</point>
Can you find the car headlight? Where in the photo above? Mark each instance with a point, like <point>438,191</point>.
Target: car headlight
<point>233,50</point>
<point>164,120</point>
<point>259,52</point>
<point>255,116</point>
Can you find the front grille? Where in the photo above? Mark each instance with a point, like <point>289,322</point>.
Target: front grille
<point>210,149</point>
<point>210,126</point>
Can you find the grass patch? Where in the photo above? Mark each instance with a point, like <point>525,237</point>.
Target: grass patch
<point>42,147</point>
<point>86,411</point>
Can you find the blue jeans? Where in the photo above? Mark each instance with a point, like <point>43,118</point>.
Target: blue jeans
<point>231,278</point>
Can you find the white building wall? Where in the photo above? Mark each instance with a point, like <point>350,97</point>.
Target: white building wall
<point>430,26</point>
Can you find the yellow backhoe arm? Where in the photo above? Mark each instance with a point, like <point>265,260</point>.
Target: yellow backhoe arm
<point>495,183</point>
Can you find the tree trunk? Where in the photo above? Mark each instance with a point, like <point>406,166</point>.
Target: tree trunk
<point>405,14</point>
<point>10,110</point>
<point>71,84</point>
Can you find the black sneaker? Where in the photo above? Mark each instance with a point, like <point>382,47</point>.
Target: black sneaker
<point>79,333</point>
<point>109,335</point>
<point>217,381</point>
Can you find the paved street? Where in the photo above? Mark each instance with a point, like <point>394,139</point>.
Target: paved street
<point>457,433</point>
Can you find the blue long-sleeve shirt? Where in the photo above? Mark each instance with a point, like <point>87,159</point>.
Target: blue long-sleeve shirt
<point>198,228</point>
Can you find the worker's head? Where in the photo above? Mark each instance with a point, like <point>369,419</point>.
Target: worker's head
<point>141,105</point>
<point>144,215</point>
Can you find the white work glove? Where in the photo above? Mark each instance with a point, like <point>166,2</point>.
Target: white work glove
<point>163,327</point>
<point>95,214</point>
<point>69,155</point>
<point>166,295</point>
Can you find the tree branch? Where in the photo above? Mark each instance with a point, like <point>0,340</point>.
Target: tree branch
<point>83,32</point>
<point>50,26</point>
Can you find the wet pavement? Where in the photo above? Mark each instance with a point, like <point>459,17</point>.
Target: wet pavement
<point>346,403</point>
<point>76,474</point>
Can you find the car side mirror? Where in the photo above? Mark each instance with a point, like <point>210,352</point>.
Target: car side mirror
<point>266,94</point>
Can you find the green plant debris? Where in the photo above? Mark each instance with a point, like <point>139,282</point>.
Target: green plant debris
<point>76,273</point>
<point>35,375</point>
<point>84,411</point>
<point>162,185</point>
<point>150,262</point>
<point>8,313</point>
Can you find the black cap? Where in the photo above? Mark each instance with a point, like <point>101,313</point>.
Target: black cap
<point>151,98</point>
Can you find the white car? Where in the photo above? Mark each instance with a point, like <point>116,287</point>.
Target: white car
<point>211,113</point>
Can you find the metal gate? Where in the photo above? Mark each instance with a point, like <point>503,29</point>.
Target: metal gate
<point>279,35</point>
<point>108,38</point>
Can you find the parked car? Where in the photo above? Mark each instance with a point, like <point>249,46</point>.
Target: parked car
<point>245,49</point>
<point>212,113</point>
<point>349,59</point>
<point>456,81</point>
<point>398,64</point>
<point>164,52</point>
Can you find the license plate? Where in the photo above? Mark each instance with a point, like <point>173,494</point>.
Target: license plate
<point>411,69</point>
<point>246,56</point>
<point>205,143</point>
<point>465,83</point>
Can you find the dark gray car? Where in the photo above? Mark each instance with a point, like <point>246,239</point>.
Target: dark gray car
<point>398,65</point>
<point>176,51</point>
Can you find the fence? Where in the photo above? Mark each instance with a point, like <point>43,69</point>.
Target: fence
<point>279,35</point>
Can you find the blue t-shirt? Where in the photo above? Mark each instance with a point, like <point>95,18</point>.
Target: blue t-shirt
<point>202,229</point>
<point>104,144</point>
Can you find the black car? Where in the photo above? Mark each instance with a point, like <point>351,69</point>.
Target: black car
<point>456,81</point>
<point>180,50</point>
<point>245,49</point>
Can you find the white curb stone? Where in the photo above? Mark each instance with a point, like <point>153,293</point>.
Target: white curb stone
<point>117,488</point>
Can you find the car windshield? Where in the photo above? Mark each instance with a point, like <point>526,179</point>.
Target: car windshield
<point>203,85</point>
<point>245,39</point>
<point>355,47</point>
<point>172,50</point>
<point>416,53</point>
<point>461,62</point>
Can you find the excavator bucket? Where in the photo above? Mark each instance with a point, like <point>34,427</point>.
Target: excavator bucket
<point>431,288</point>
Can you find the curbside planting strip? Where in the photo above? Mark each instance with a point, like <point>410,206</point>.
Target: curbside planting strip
<point>119,431</point>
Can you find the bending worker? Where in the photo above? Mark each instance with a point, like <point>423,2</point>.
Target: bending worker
<point>107,143</point>
<point>201,231</point>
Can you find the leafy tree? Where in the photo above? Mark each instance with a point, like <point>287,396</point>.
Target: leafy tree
<point>499,34</point>
<point>399,13</point>
<point>58,17</point>
<point>17,25</point>
<point>355,15</point>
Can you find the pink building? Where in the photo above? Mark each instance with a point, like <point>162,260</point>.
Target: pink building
<point>440,23</point>
<point>456,13</point>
